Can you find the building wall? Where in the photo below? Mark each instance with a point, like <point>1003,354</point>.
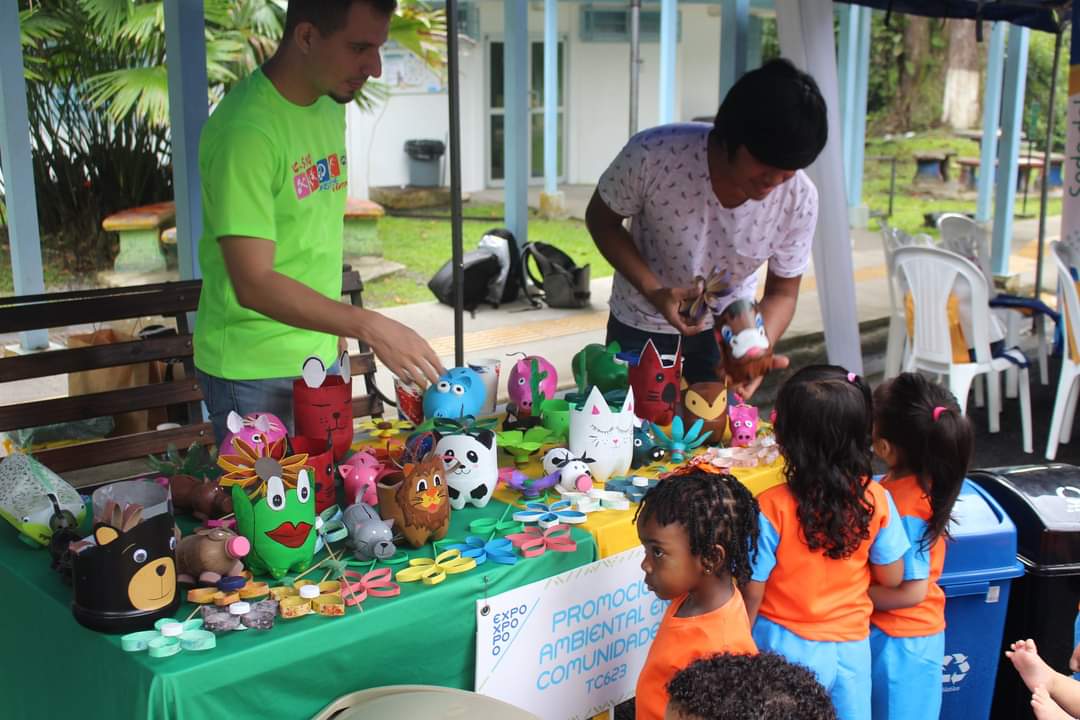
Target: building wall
<point>597,107</point>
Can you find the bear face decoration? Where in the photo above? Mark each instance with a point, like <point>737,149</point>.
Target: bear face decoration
<point>605,436</point>
<point>707,401</point>
<point>322,404</point>
<point>127,581</point>
<point>655,381</point>
<point>458,393</point>
<point>744,346</point>
<point>472,464</point>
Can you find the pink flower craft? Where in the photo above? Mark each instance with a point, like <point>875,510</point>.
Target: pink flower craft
<point>377,583</point>
<point>534,541</point>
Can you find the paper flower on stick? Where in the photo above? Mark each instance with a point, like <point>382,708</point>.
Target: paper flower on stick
<point>432,571</point>
<point>376,583</point>
<point>550,515</point>
<point>383,428</point>
<point>499,550</point>
<point>251,468</point>
<point>535,542</point>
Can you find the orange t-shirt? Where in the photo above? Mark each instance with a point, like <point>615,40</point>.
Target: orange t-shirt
<point>682,640</point>
<point>928,617</point>
<point>810,594</point>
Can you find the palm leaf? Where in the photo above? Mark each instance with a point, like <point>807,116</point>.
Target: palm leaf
<point>107,15</point>
<point>143,90</point>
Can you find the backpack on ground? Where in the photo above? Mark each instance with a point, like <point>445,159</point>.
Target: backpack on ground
<point>562,284</point>
<point>506,286</point>
<point>481,267</point>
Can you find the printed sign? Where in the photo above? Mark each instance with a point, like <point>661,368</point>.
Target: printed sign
<point>404,72</point>
<point>570,646</point>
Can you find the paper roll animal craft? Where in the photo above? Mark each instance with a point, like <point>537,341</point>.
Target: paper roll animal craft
<point>744,422</point>
<point>458,393</point>
<point>255,428</point>
<point>320,459</point>
<point>322,404</point>
<point>209,555</point>
<point>472,461</point>
<point>599,365</point>
<point>744,347</point>
<point>126,580</point>
<point>37,501</point>
<point>707,401</point>
<point>655,380</point>
<point>279,521</point>
<point>417,500</point>
<point>605,436</point>
<point>359,474</point>
<point>532,380</point>
<point>370,536</point>
<point>646,451</point>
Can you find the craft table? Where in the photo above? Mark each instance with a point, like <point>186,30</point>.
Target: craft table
<point>56,668</point>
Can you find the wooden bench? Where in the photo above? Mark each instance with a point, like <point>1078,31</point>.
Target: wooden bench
<point>140,229</point>
<point>173,300</point>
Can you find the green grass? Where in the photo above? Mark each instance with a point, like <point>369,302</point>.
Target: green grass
<point>422,246</point>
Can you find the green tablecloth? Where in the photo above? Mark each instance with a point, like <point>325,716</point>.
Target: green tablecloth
<point>56,668</point>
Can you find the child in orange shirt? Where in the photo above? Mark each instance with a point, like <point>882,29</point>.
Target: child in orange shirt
<point>824,535</point>
<point>698,531</point>
<point>924,439</point>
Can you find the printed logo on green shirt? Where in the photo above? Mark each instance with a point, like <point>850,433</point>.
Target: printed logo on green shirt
<point>310,177</point>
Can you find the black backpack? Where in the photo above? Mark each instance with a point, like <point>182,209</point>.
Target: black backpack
<point>506,286</point>
<point>562,283</point>
<point>481,267</point>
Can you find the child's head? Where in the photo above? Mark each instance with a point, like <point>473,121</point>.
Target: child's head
<point>734,687</point>
<point>918,430</point>
<point>823,418</point>
<point>696,526</point>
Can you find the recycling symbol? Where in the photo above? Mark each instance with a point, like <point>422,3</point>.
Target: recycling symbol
<point>954,668</point>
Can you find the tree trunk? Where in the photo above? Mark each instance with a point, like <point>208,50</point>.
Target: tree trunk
<point>912,65</point>
<point>960,105</point>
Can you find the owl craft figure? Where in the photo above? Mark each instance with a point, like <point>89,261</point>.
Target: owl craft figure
<point>417,499</point>
<point>707,401</point>
<point>745,350</point>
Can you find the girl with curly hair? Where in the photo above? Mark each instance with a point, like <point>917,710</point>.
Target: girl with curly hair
<point>698,531</point>
<point>924,439</point>
<point>824,535</point>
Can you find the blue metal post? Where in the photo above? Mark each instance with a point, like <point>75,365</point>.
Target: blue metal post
<point>995,69</point>
<point>669,36</point>
<point>516,129</point>
<point>846,77</point>
<point>1009,149</point>
<point>185,45</point>
<point>551,96</point>
<point>753,44</point>
<point>734,31</point>
<point>19,170</point>
<point>858,125</point>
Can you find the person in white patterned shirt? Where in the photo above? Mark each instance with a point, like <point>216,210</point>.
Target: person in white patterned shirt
<point>725,197</point>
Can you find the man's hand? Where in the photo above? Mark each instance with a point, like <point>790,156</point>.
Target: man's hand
<point>669,301</point>
<point>401,349</point>
<point>747,389</point>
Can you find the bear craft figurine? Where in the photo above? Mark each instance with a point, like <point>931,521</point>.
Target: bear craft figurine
<point>655,380</point>
<point>707,401</point>
<point>322,404</point>
<point>127,580</point>
<point>458,393</point>
<point>417,500</point>
<point>532,380</point>
<point>745,350</point>
<point>472,464</point>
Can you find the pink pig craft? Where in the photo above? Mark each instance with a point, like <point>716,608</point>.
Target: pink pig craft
<point>744,420</point>
<point>360,473</point>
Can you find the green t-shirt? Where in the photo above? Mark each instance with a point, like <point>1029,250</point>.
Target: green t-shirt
<point>275,170</point>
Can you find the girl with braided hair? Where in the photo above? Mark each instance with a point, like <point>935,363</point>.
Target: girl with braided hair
<point>823,536</point>
<point>924,439</point>
<point>699,531</point>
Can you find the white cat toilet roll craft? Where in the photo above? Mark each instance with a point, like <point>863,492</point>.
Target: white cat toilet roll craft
<point>604,436</point>
<point>472,460</point>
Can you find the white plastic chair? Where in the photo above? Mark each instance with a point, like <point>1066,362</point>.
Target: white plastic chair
<point>420,701</point>
<point>930,275</point>
<point>896,347</point>
<point>963,236</point>
<point>1061,422</point>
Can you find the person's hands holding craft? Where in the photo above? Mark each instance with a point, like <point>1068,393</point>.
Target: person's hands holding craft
<point>746,389</point>
<point>401,349</point>
<point>670,302</point>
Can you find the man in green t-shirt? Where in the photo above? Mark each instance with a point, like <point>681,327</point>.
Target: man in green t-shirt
<point>274,185</point>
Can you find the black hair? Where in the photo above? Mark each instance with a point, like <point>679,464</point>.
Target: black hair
<point>778,113</point>
<point>715,510</point>
<point>936,450</point>
<point>763,686</point>
<point>328,16</point>
<point>823,423</point>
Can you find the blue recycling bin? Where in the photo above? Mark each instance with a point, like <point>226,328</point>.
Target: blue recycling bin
<point>980,564</point>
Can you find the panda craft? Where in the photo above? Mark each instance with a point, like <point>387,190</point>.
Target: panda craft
<point>472,465</point>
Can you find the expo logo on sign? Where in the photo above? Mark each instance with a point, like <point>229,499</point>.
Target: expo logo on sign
<point>502,624</point>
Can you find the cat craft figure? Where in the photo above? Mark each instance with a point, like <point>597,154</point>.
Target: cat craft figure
<point>744,347</point>
<point>604,436</point>
<point>322,404</point>
<point>320,458</point>
<point>655,380</point>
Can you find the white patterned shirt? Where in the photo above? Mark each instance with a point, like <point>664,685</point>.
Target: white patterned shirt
<point>661,181</point>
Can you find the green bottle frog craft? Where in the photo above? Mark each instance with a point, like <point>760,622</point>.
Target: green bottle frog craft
<point>279,520</point>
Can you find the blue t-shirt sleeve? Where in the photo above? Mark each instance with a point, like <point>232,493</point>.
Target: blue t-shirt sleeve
<point>762,564</point>
<point>917,558</point>
<point>891,542</point>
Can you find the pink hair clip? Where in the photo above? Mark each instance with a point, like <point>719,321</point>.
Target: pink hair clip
<point>852,377</point>
<point>938,410</point>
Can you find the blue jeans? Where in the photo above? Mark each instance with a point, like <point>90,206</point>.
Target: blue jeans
<point>245,396</point>
<point>700,352</point>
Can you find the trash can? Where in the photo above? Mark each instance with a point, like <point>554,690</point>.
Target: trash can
<point>980,564</point>
<point>1044,502</point>
<point>424,156</point>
